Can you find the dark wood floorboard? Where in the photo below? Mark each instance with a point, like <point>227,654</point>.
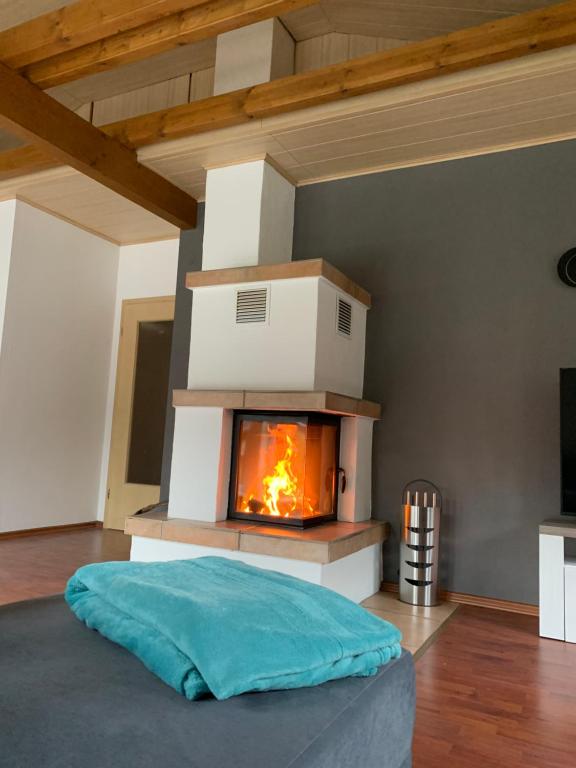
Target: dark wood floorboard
<point>37,566</point>
<point>491,693</point>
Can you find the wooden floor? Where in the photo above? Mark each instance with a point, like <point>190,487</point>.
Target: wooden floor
<point>36,566</point>
<point>491,693</point>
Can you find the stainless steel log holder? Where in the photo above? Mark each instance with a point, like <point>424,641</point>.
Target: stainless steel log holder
<point>419,545</point>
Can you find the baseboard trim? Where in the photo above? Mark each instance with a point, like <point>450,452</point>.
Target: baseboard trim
<point>49,529</point>
<point>480,602</point>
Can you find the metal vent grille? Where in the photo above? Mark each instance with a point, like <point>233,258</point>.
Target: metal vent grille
<point>344,317</point>
<point>252,305</point>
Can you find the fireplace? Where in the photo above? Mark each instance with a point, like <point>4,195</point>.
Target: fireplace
<point>273,407</point>
<point>285,468</point>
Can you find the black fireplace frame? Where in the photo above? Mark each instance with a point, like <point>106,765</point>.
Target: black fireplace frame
<point>286,417</point>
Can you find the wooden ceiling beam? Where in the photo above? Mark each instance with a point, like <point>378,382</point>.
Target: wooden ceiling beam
<point>31,114</point>
<point>24,160</point>
<point>498,41</point>
<point>123,42</point>
<point>198,117</point>
<point>503,40</point>
<point>80,24</point>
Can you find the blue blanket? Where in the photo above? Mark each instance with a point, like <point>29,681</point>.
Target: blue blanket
<point>220,627</point>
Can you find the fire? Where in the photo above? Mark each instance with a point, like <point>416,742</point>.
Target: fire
<point>282,484</point>
<point>284,469</point>
<point>280,488</point>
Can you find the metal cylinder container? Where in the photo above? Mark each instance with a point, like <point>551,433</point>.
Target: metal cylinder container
<point>419,543</point>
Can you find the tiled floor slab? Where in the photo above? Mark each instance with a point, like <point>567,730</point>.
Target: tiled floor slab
<point>419,625</point>
<point>388,601</point>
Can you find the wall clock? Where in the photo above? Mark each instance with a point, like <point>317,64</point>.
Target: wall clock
<point>567,268</point>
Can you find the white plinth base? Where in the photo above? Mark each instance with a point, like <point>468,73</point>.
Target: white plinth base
<point>356,576</point>
<point>570,599</point>
<point>552,587</point>
<point>557,583</point>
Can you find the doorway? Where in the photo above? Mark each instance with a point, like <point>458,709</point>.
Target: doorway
<point>140,401</point>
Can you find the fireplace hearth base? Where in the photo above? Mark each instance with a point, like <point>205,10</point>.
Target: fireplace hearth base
<point>342,556</point>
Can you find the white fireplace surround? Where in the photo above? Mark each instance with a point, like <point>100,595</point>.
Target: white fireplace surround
<point>293,344</point>
<point>202,458</point>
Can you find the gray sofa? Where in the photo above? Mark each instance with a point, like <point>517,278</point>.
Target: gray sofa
<point>70,699</point>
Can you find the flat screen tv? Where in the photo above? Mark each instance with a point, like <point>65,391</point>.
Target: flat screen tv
<point>568,439</point>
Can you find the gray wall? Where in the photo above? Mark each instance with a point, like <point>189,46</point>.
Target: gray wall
<point>468,329</point>
<point>189,260</point>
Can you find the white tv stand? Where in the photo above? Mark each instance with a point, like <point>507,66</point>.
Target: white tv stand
<point>557,581</point>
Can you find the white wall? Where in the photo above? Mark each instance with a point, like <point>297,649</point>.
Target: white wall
<point>143,271</point>
<point>54,367</point>
<point>61,293</point>
<point>7,211</point>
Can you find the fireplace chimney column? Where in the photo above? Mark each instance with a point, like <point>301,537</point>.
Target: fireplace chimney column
<point>248,221</point>
<point>249,206</point>
<point>271,327</point>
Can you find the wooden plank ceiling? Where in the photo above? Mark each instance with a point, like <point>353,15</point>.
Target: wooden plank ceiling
<point>90,36</point>
<point>519,103</point>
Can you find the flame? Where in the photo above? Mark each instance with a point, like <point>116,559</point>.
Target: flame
<point>281,473</point>
<point>280,487</point>
<point>282,484</point>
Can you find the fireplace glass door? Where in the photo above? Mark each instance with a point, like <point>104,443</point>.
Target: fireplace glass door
<point>285,468</point>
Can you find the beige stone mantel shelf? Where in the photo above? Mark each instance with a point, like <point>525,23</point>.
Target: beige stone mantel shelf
<point>287,271</point>
<point>327,402</point>
<point>322,544</point>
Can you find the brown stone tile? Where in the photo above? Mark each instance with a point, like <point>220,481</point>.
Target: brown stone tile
<point>143,525</point>
<point>208,398</point>
<point>287,401</point>
<point>219,525</point>
<point>285,271</point>
<point>327,533</point>
<point>322,544</point>
<point>361,540</point>
<point>203,534</point>
<point>235,525</point>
